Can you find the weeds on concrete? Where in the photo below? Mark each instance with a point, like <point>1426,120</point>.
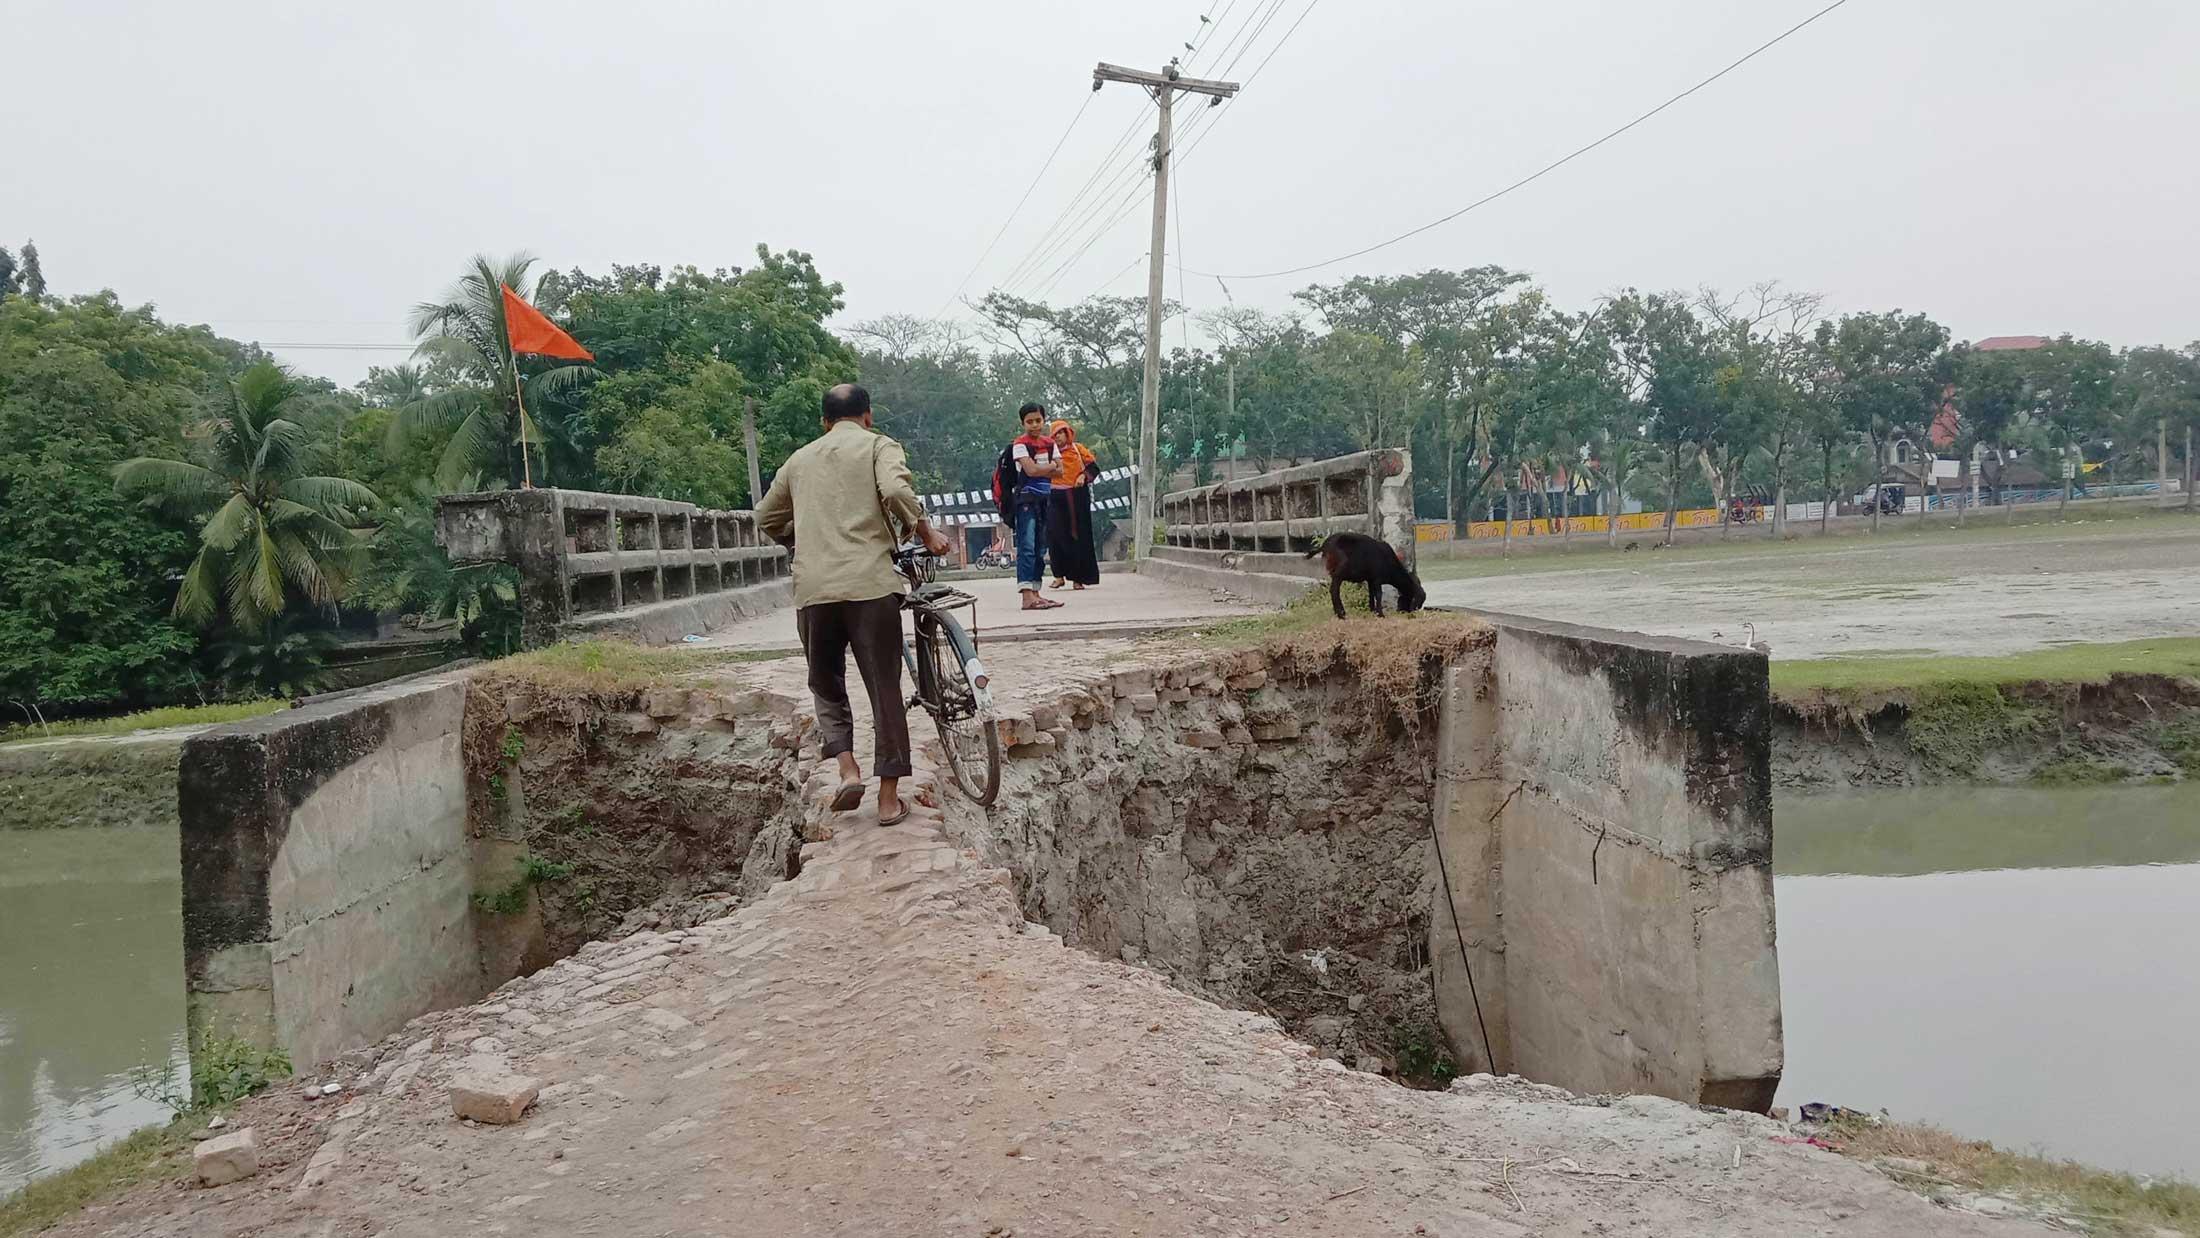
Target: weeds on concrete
<point>613,667</point>
<point>2110,1203</point>
<point>146,720</point>
<point>512,899</point>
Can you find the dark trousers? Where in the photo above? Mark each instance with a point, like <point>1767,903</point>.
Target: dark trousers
<point>873,629</point>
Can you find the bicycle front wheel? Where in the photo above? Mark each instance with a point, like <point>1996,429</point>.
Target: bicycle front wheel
<point>967,735</point>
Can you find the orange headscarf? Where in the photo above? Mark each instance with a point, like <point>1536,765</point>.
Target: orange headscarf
<point>1075,456</point>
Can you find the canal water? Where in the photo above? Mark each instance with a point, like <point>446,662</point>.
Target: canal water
<point>91,989</point>
<point>2014,964</point>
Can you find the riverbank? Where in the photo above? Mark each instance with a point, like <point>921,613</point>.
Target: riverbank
<point>2080,714</point>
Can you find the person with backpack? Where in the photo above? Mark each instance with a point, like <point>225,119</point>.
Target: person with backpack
<point>1023,478</point>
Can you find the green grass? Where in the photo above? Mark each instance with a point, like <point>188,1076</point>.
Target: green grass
<point>147,720</point>
<point>2085,663</point>
<point>607,666</point>
<point>2111,1203</point>
<point>1588,549</point>
<point>2078,769</point>
<point>149,1155</point>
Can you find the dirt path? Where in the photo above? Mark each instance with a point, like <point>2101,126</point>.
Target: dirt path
<point>1901,592</point>
<point>882,1046</point>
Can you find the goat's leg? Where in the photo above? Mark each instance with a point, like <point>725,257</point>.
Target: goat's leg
<point>1375,597</point>
<point>1336,595</point>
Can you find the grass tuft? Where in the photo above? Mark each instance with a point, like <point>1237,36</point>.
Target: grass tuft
<point>144,720</point>
<point>613,667</point>
<point>148,1155</point>
<point>2115,1203</point>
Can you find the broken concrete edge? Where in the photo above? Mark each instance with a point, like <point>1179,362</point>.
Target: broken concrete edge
<point>1201,569</point>
<point>1607,813</point>
<point>314,947</point>
<point>666,623</point>
<point>1177,678</point>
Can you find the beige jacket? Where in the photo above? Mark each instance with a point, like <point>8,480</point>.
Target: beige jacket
<point>832,497</point>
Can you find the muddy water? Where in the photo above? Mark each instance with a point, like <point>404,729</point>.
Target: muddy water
<point>2014,964</point>
<point>91,987</point>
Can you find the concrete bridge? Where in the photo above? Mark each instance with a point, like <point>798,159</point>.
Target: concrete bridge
<point>1171,983</point>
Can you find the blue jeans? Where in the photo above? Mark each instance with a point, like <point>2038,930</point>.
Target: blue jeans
<point>1031,540</point>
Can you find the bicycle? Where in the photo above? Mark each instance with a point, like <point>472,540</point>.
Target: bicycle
<point>952,684</point>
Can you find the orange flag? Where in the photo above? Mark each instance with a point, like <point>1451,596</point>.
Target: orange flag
<point>536,335</point>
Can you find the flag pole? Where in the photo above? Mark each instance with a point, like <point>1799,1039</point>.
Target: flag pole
<point>526,466</point>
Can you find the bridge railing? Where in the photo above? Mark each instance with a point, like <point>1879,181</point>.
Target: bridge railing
<point>1289,510</point>
<point>586,558</point>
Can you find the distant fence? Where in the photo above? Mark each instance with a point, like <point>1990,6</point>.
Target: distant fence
<point>1367,492</point>
<point>600,560</point>
<point>975,509</point>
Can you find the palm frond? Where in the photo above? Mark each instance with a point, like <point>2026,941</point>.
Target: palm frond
<point>479,440</point>
<point>255,584</point>
<point>437,412</point>
<point>303,567</point>
<point>561,383</point>
<point>331,495</point>
<point>199,599</point>
<point>232,524</point>
<point>282,450</point>
<point>461,350</point>
<point>171,485</point>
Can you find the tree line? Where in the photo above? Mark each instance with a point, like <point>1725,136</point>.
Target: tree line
<point>187,519</point>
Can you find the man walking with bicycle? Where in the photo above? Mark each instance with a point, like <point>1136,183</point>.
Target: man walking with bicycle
<point>838,503</point>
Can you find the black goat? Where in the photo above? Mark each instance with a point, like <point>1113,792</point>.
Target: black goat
<point>1356,558</point>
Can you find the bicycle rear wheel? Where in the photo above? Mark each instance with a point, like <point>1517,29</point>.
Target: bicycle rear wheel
<point>972,742</point>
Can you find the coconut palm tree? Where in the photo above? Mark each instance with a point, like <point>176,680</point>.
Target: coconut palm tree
<point>492,415</point>
<point>273,530</point>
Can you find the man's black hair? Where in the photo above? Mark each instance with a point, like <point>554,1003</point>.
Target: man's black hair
<point>1030,407</point>
<point>845,401</point>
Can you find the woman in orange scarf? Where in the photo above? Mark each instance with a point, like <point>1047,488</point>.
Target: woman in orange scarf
<point>1069,516</point>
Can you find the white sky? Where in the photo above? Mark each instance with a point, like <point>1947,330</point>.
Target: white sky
<point>305,172</point>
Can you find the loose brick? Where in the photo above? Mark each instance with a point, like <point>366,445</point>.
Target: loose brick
<point>496,1099</point>
<point>227,1158</point>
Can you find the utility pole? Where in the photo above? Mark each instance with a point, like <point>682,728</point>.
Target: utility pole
<point>1163,87</point>
<point>748,442</point>
<point>1230,415</point>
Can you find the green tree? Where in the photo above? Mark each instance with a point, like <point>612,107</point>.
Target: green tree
<point>85,584</point>
<point>498,412</point>
<point>2073,385</point>
<point>273,530</point>
<point>1668,355</point>
<point>32,276</point>
<point>1886,376</point>
<point>1989,394</point>
<point>2160,388</point>
<point>1438,315</point>
<point>683,445</point>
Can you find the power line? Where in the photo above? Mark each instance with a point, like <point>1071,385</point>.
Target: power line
<point>1075,216</point>
<point>988,252</point>
<point>1194,130</point>
<point>1549,168</point>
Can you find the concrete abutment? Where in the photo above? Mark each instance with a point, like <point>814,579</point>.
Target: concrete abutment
<point>1261,827</point>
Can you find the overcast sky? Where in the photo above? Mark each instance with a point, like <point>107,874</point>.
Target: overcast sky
<point>303,173</point>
